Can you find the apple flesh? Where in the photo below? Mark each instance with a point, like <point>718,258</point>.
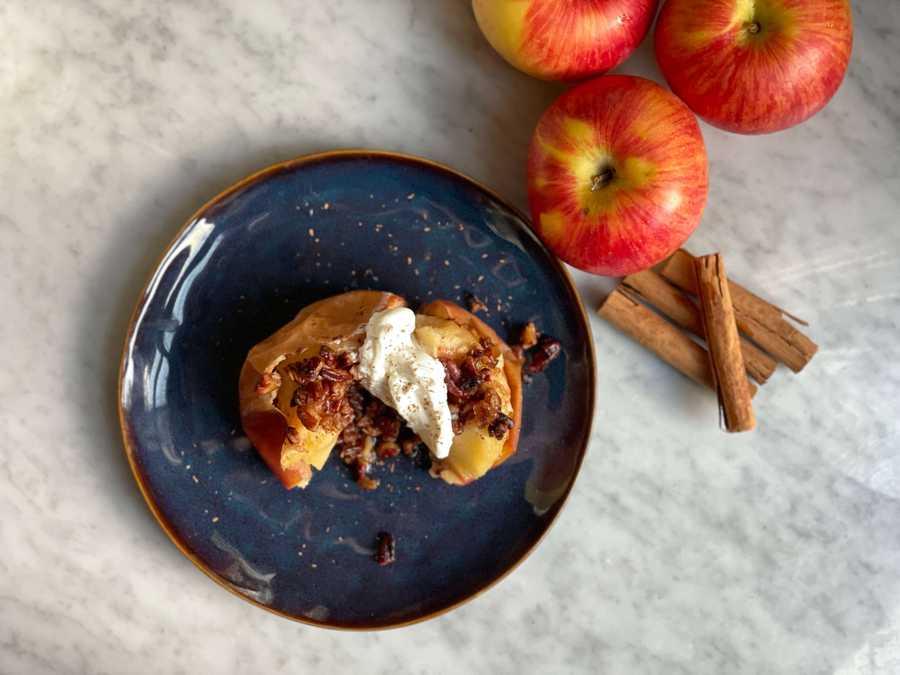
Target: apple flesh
<point>754,67</point>
<point>445,330</point>
<point>564,39</point>
<point>617,175</point>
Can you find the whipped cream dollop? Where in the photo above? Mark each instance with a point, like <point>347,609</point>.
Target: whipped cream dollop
<point>395,368</point>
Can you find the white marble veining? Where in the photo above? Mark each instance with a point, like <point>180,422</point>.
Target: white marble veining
<point>682,550</point>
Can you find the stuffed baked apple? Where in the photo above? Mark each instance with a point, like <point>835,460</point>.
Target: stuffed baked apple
<point>362,375</point>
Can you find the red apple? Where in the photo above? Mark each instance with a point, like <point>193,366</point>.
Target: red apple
<point>564,39</point>
<point>754,66</point>
<point>617,175</point>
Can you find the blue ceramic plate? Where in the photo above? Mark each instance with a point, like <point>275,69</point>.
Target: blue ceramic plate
<point>243,266</point>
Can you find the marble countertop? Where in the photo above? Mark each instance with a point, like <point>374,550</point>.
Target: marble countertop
<point>682,549</point>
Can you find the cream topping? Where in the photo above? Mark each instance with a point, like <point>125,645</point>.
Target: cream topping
<point>394,368</point>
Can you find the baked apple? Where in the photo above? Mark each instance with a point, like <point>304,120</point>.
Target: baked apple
<point>277,373</point>
<point>489,414</point>
<point>361,373</point>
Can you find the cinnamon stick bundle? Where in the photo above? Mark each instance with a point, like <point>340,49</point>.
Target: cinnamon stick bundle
<point>659,293</point>
<point>622,309</point>
<point>726,361</point>
<point>759,320</point>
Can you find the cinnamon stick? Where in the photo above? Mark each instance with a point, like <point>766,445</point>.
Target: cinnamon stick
<point>761,321</point>
<point>674,304</point>
<point>724,345</point>
<point>667,341</point>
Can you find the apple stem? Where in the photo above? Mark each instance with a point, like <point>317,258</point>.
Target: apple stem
<point>753,28</point>
<point>603,178</point>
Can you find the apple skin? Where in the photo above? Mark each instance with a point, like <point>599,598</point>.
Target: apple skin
<point>754,67</point>
<point>564,39</point>
<point>617,175</point>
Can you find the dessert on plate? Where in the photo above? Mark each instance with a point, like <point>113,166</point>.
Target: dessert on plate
<point>362,375</point>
